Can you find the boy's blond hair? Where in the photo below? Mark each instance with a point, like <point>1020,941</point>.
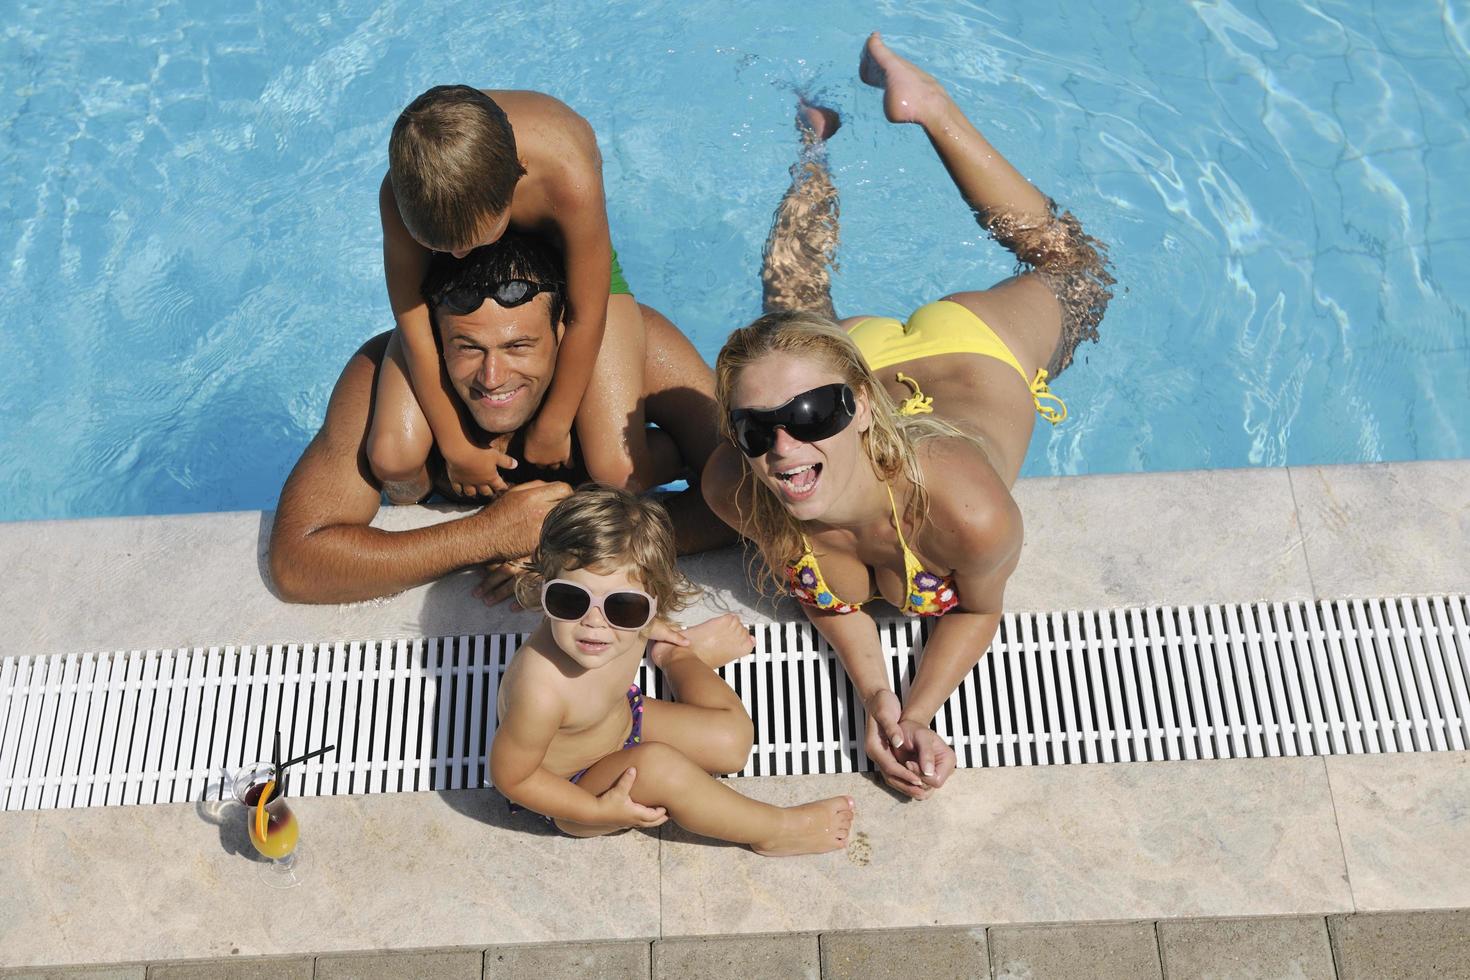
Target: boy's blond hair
<point>600,526</point>
<point>453,166</point>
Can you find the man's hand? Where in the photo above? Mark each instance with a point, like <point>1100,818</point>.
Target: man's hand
<point>499,581</point>
<point>547,447</point>
<point>517,514</point>
<point>887,743</point>
<point>619,809</point>
<point>476,473</point>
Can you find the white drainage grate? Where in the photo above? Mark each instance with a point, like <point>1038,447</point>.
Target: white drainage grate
<point>1200,682</point>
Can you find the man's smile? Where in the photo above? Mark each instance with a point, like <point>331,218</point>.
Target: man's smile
<point>499,398</point>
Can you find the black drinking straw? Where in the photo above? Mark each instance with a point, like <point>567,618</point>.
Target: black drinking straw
<point>276,763</point>
<point>310,755</point>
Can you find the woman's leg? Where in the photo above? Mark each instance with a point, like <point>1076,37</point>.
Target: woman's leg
<point>698,802</point>
<point>796,265</point>
<point>1071,263</point>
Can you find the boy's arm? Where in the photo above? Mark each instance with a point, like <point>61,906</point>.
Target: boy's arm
<point>405,262</point>
<point>587,250</point>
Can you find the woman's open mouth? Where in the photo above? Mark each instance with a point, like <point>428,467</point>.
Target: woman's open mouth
<point>799,482</point>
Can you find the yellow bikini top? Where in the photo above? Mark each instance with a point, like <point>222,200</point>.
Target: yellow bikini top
<point>925,593</point>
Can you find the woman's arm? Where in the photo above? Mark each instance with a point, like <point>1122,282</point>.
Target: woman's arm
<point>855,638</point>
<point>980,530</point>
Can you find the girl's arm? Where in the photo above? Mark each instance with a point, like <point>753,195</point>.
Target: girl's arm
<point>532,718</point>
<point>587,249</point>
<point>405,262</point>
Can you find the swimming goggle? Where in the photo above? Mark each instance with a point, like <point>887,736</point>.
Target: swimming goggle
<point>625,609</point>
<point>808,417</point>
<point>464,300</point>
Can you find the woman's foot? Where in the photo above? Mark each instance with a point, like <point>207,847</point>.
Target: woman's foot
<point>910,95</point>
<point>816,122</point>
<point>813,828</point>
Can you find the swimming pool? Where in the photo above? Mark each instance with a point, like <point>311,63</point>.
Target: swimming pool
<point>191,250</point>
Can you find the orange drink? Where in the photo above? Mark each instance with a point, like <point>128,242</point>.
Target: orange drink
<point>281,829</point>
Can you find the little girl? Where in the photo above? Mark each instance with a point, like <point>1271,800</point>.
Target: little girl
<point>581,745</point>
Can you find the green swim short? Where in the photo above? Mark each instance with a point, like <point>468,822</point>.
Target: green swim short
<point>619,284</point>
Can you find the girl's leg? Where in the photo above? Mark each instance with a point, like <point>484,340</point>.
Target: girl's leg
<point>700,803</point>
<point>399,439</point>
<point>796,265</point>
<point>707,723</point>
<point>616,444</point>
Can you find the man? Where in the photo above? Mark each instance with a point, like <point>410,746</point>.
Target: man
<point>497,317</point>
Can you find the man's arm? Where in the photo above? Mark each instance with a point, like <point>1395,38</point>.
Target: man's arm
<point>322,548</point>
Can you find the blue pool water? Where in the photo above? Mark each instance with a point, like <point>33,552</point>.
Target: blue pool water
<point>189,244</point>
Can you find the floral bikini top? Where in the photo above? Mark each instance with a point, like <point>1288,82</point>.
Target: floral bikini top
<point>926,594</point>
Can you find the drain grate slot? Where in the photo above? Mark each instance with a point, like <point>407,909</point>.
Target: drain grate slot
<point>1123,685</point>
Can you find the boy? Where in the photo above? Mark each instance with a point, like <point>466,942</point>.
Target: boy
<point>464,166</point>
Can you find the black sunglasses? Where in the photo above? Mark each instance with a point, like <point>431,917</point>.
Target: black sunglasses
<point>808,417</point>
<point>464,300</point>
<point>625,609</point>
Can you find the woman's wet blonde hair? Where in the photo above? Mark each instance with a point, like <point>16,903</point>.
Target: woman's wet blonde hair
<point>600,526</point>
<point>889,442</point>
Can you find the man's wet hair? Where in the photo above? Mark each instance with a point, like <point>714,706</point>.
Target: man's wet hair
<point>453,166</point>
<point>515,256</point>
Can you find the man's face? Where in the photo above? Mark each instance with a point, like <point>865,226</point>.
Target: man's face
<point>500,360</point>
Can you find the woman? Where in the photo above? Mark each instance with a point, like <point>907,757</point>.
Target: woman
<point>851,498</point>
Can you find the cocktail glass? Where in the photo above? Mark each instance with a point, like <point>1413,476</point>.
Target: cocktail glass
<point>279,842</point>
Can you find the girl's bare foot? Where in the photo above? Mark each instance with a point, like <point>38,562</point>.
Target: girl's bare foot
<point>716,642</point>
<point>910,95</point>
<point>813,828</point>
<point>816,122</point>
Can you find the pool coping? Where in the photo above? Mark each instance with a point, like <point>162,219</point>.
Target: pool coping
<point>1092,542</point>
<point>1185,538</point>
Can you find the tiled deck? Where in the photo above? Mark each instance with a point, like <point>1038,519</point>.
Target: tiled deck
<point>1004,849</point>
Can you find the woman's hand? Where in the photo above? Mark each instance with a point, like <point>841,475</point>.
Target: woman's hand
<point>924,753</point>
<point>888,743</point>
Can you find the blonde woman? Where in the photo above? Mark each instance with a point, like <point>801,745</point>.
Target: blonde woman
<point>870,458</point>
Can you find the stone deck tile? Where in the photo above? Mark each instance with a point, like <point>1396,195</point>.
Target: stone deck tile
<point>405,871</point>
<point>901,954</point>
<point>1405,822</point>
<point>462,964</point>
<point>736,958</point>
<point>1158,539</point>
<point>299,968</point>
<point>571,961</point>
<point>1046,844</point>
<point>1386,529</point>
<point>1123,951</point>
<point>1402,946</point>
<point>138,972</point>
<point>1246,949</point>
